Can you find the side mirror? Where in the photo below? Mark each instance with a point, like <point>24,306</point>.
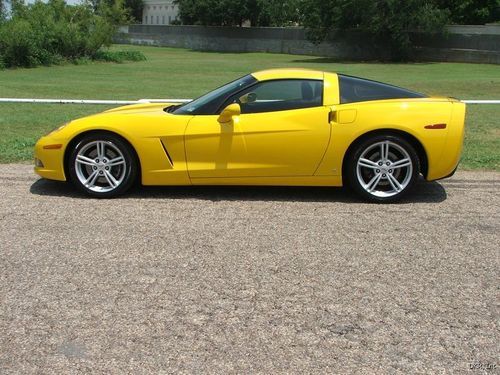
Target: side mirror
<point>229,112</point>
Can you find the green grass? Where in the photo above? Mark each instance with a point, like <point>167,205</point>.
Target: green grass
<point>178,73</point>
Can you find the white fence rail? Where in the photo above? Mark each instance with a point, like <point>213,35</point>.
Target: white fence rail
<point>481,101</point>
<point>84,101</point>
<point>126,102</point>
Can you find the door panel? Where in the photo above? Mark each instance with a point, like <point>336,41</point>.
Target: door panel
<point>283,143</point>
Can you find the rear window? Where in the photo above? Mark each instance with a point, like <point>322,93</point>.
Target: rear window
<point>353,90</point>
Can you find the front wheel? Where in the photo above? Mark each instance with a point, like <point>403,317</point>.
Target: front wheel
<point>102,165</point>
<point>383,168</point>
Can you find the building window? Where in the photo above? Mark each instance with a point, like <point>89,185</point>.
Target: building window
<point>169,20</point>
<point>145,20</point>
<point>157,20</point>
<point>152,23</point>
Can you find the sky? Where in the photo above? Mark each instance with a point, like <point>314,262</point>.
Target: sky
<point>71,2</point>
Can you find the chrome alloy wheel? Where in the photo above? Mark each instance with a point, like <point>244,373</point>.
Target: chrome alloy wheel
<point>384,169</point>
<point>100,166</point>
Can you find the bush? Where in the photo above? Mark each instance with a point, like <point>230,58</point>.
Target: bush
<point>54,32</point>
<point>119,56</point>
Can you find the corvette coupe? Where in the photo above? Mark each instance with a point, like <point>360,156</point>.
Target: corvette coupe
<point>275,127</point>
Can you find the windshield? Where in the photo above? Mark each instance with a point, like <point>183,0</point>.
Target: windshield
<point>209,103</point>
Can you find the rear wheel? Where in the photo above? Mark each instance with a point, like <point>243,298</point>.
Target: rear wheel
<point>383,168</point>
<point>102,165</point>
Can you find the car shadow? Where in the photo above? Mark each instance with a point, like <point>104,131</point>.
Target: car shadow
<point>424,192</point>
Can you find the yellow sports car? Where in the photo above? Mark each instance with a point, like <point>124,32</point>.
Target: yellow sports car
<point>275,127</point>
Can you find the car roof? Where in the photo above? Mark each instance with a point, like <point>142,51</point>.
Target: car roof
<point>266,75</point>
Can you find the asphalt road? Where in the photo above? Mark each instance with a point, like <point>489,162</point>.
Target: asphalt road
<point>249,279</point>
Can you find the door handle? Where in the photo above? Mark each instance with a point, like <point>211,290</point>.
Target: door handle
<point>332,116</point>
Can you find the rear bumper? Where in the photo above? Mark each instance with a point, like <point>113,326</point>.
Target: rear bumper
<point>49,160</point>
<point>451,174</point>
<point>447,164</point>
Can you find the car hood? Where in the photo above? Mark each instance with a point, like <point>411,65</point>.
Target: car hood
<point>116,117</point>
<point>141,108</point>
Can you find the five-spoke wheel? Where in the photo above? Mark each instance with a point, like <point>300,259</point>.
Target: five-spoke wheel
<point>103,165</point>
<point>382,168</point>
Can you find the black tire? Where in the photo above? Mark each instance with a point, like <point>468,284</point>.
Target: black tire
<point>390,187</point>
<point>114,148</point>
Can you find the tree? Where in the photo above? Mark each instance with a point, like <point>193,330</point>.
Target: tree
<point>235,12</point>
<point>216,12</point>
<point>472,12</point>
<point>387,23</point>
<point>279,12</point>
<point>113,10</point>
<point>134,8</point>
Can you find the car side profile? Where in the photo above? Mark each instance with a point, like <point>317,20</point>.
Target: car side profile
<point>277,127</point>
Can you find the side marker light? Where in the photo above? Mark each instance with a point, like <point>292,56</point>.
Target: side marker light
<point>436,126</point>
<point>52,147</point>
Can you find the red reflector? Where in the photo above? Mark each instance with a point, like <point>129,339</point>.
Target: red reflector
<point>436,126</point>
<point>52,147</point>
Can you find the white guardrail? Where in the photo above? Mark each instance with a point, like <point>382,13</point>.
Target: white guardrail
<point>126,102</point>
<point>84,101</point>
<point>481,101</point>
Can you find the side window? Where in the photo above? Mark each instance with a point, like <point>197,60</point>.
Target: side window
<point>280,95</point>
<point>353,90</point>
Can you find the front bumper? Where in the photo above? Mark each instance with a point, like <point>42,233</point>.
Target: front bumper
<point>49,159</point>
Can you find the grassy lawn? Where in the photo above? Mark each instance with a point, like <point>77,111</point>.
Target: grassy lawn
<point>178,73</point>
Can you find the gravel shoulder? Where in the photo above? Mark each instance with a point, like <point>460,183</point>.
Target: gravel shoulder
<point>230,279</point>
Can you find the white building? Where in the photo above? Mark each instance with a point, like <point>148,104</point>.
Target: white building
<point>159,12</point>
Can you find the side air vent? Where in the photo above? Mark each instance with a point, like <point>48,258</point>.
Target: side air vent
<point>167,154</point>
